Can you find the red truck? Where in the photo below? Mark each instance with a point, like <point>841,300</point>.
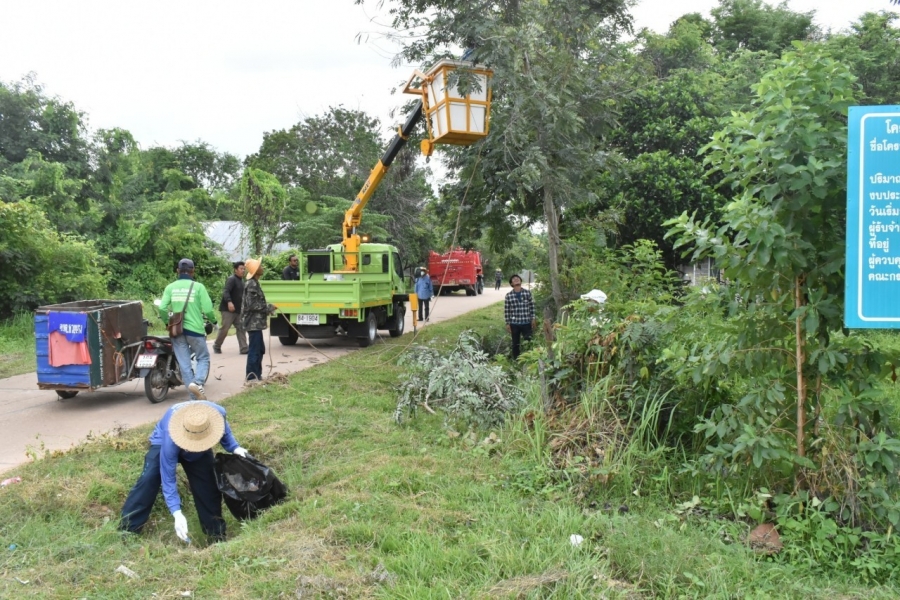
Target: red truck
<point>456,270</point>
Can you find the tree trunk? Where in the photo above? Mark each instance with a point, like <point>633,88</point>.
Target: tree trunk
<point>553,244</point>
<point>800,359</point>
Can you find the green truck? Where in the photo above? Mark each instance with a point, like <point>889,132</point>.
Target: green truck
<point>329,301</point>
<point>355,288</point>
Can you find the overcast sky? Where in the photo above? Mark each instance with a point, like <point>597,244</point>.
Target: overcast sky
<point>224,71</point>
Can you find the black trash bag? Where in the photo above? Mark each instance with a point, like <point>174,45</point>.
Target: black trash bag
<point>248,486</point>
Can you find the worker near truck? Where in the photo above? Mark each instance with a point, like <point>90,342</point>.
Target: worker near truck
<point>518,312</point>
<point>498,279</point>
<point>186,434</point>
<point>292,271</point>
<point>185,294</point>
<point>230,307</point>
<point>424,291</point>
<point>254,317</point>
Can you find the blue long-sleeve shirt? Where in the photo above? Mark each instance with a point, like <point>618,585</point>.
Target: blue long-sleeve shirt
<point>169,453</point>
<point>424,289</point>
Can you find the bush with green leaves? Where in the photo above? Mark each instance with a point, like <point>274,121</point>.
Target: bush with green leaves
<point>42,266</point>
<point>462,383</point>
<point>810,413</point>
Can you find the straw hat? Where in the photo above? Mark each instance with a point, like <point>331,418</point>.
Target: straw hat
<point>196,427</point>
<point>252,265</point>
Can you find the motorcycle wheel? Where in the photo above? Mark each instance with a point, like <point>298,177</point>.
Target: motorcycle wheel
<point>156,384</point>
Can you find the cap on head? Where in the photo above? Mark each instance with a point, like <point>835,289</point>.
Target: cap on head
<point>196,426</point>
<point>185,264</point>
<point>252,266</point>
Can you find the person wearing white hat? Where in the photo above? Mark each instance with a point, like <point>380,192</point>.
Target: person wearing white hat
<point>186,434</point>
<point>425,291</point>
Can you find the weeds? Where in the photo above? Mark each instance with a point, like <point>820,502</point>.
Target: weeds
<point>461,383</point>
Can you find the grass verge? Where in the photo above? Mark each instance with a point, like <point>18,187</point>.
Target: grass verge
<point>375,510</point>
<point>17,345</point>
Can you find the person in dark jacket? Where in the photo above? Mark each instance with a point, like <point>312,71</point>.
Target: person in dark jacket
<point>254,315</point>
<point>230,305</point>
<point>292,271</point>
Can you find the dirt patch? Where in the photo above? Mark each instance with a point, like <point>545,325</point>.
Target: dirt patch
<point>520,587</point>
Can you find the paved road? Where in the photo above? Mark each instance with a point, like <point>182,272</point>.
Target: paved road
<point>34,421</point>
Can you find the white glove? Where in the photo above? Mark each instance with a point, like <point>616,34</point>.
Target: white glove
<point>181,529</point>
<point>242,452</point>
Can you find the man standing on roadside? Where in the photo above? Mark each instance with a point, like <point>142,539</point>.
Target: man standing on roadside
<point>230,306</point>
<point>292,271</point>
<point>254,314</point>
<point>424,290</point>
<point>185,294</point>
<point>186,434</point>
<point>498,279</point>
<point>518,312</point>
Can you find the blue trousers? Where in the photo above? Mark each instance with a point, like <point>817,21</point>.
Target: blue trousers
<point>183,345</point>
<point>202,480</point>
<point>257,347</point>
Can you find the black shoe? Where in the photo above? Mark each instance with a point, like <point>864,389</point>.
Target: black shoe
<point>245,351</point>
<point>217,350</point>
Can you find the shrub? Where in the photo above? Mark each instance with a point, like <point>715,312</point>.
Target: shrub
<point>42,266</point>
<point>462,383</point>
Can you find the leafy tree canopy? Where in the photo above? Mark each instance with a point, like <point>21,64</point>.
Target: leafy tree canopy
<point>30,121</point>
<point>757,26</point>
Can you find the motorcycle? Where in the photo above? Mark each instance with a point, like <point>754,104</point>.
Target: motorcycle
<point>158,367</point>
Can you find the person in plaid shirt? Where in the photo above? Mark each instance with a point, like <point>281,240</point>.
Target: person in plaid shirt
<point>518,312</point>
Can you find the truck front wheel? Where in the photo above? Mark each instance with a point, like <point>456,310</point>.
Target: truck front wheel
<point>371,330</point>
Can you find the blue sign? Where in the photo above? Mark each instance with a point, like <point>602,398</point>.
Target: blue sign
<point>872,298</point>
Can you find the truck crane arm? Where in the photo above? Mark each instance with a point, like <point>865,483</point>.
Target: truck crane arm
<point>353,216</point>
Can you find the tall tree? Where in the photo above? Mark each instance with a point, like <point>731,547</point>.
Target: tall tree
<point>551,98</point>
<point>872,49</point>
<point>757,26</point>
<point>330,156</point>
<point>264,208</point>
<point>30,121</point>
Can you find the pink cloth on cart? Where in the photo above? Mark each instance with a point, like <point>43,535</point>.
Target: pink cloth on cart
<point>63,352</point>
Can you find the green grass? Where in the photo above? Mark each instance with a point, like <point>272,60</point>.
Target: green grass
<point>375,510</point>
<point>17,345</point>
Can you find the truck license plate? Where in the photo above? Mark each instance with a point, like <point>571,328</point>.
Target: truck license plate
<point>307,319</point>
<point>145,361</point>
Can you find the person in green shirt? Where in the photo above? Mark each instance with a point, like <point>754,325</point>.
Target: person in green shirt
<point>185,290</point>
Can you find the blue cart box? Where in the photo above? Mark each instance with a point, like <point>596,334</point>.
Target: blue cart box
<point>112,327</point>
